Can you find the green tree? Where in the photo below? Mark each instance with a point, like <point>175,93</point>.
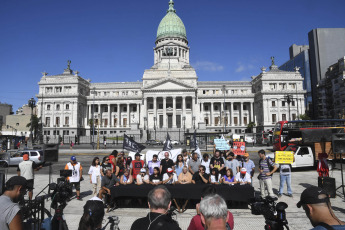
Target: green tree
<point>304,117</point>
<point>35,125</point>
<point>251,125</point>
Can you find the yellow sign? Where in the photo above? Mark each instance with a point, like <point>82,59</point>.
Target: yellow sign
<point>284,157</point>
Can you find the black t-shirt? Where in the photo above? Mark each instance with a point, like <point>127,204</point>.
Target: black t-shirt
<point>161,222</point>
<point>198,180</point>
<point>155,177</point>
<point>217,163</point>
<point>105,167</point>
<point>166,164</point>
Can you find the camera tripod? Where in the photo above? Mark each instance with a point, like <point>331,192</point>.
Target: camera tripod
<point>58,220</point>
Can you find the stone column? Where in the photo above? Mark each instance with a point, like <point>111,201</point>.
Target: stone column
<point>202,112</point>
<point>138,113</point>
<point>222,114</point>
<point>164,112</point>
<point>183,106</point>
<point>251,111</point>
<point>109,116</point>
<point>278,115</point>
<point>118,115</point>
<point>154,109</point>
<point>241,115</point>
<point>143,113</point>
<point>231,114</point>
<point>211,115</point>
<point>268,111</point>
<point>174,112</point>
<point>128,115</point>
<point>89,115</point>
<point>193,112</point>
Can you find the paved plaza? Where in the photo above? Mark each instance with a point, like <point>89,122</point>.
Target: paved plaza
<point>242,216</point>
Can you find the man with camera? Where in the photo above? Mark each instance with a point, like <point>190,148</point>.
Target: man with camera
<point>77,174</point>
<point>11,218</point>
<point>266,169</point>
<point>317,206</point>
<point>26,169</point>
<point>159,201</point>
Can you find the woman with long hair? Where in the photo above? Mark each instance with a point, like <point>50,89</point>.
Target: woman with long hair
<point>105,166</point>
<point>179,164</point>
<point>229,177</point>
<point>95,176</point>
<point>126,178</point>
<point>120,167</point>
<point>215,176</point>
<point>93,215</point>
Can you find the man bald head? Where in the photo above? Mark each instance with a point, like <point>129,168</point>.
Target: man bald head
<point>159,199</point>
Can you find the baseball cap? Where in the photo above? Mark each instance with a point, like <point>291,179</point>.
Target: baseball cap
<point>170,170</point>
<point>311,196</point>
<point>138,154</point>
<point>246,154</point>
<point>155,155</point>
<point>16,180</point>
<point>143,170</point>
<point>243,170</point>
<point>73,158</point>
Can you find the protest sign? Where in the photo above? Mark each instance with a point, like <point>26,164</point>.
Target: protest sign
<point>284,157</point>
<point>221,144</point>
<point>239,147</point>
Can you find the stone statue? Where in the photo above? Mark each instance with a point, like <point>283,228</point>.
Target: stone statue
<point>69,64</point>
<point>272,58</point>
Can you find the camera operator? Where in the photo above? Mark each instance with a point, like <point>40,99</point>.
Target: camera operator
<point>159,201</point>
<point>77,173</point>
<point>317,206</point>
<point>93,215</point>
<point>26,169</point>
<point>11,218</point>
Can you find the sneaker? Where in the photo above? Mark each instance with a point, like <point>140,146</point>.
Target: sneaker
<point>279,195</point>
<point>79,198</point>
<point>289,195</point>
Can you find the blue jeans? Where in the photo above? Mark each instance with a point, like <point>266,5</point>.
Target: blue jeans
<point>286,178</point>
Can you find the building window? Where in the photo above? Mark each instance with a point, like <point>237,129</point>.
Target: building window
<point>115,122</point>
<point>283,103</point>
<point>188,106</point>
<point>235,107</point>
<point>204,92</point>
<point>58,89</point>
<point>48,121</point>
<point>125,109</point>
<point>115,109</point>
<point>244,107</point>
<point>284,117</point>
<point>57,121</point>
<point>216,107</point>
<point>236,120</point>
<point>66,120</point>
<point>17,124</point>
<point>151,106</point>
<point>293,103</point>
<point>160,106</point>
<point>273,103</point>
<point>245,120</point>
<point>178,106</point>
<point>294,117</point>
<point>48,107</point>
<point>57,107</point>
<point>206,107</point>
<point>106,109</point>
<point>67,106</point>
<point>125,122</point>
<point>274,118</point>
<point>96,109</point>
<point>134,108</point>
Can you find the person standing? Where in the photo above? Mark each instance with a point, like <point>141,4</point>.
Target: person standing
<point>95,175</point>
<point>232,163</point>
<point>71,145</point>
<point>137,165</point>
<point>217,162</point>
<point>166,163</point>
<point>153,163</point>
<point>112,159</point>
<point>26,169</point>
<point>11,218</point>
<point>265,176</point>
<point>285,176</point>
<point>105,144</point>
<point>105,166</point>
<point>159,200</point>
<point>194,164</point>
<point>205,161</point>
<point>77,173</point>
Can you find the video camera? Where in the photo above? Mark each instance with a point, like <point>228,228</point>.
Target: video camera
<point>275,216</point>
<point>62,190</point>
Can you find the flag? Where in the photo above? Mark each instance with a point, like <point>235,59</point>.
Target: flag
<point>130,145</point>
<point>167,145</point>
<point>196,146</point>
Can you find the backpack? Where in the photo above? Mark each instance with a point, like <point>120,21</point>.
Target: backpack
<point>268,164</point>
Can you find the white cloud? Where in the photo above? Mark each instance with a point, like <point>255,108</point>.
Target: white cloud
<point>208,66</point>
<point>243,67</point>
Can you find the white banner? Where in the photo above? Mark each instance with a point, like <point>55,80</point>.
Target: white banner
<point>172,154</point>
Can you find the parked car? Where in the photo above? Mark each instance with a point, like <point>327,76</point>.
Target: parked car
<point>15,157</point>
<point>173,142</point>
<point>153,142</point>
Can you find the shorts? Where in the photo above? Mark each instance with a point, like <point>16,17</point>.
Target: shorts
<point>30,184</point>
<point>76,185</point>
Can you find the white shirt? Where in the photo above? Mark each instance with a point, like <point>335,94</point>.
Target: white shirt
<point>95,171</point>
<point>26,170</point>
<point>173,180</point>
<point>206,164</point>
<point>75,172</point>
<point>213,178</point>
<point>246,178</point>
<point>141,180</point>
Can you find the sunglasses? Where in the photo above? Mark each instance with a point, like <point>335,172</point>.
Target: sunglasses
<point>106,159</point>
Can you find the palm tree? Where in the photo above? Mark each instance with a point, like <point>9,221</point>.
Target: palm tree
<point>35,124</point>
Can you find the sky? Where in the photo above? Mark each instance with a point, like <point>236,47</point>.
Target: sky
<point>113,40</point>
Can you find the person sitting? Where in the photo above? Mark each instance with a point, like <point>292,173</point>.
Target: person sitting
<point>159,200</point>
<point>126,178</point>
<point>243,177</point>
<point>179,164</point>
<point>108,182</point>
<point>143,178</point>
<point>215,177</point>
<point>200,177</point>
<point>93,215</point>
<point>185,177</point>
<point>229,177</point>
<point>196,224</point>
<point>169,177</point>
<point>155,178</point>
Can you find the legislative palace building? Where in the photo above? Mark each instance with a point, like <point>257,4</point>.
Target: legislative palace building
<point>169,98</point>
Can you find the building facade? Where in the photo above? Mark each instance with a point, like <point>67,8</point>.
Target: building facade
<point>168,99</point>
<point>5,109</point>
<point>331,92</point>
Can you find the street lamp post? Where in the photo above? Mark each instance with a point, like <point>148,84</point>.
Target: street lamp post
<point>31,104</point>
<point>98,130</point>
<point>288,99</point>
<point>184,128</point>
<point>154,125</point>
<point>93,119</point>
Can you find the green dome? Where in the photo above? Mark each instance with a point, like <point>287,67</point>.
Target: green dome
<point>171,24</point>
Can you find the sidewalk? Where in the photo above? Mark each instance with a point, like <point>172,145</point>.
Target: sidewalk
<point>242,217</point>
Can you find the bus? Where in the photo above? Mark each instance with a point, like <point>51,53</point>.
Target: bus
<point>284,131</point>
